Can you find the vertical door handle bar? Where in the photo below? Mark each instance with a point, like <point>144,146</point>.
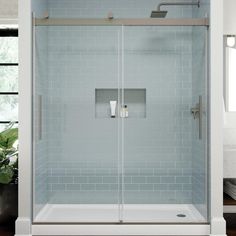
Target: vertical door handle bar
<point>40,107</point>
<point>200,117</point>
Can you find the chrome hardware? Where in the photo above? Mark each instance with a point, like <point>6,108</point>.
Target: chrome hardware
<point>197,113</point>
<point>40,116</point>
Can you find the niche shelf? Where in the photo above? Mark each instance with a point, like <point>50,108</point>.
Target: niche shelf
<point>134,98</point>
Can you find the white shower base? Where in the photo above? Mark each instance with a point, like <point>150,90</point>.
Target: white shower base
<point>108,213</point>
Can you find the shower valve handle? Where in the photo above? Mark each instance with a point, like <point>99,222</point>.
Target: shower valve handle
<point>197,112</point>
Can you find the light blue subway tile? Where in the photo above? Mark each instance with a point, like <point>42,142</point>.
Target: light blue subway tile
<point>95,179</point>
<point>88,187</point>
<point>57,187</point>
<point>167,179</point>
<point>160,187</point>
<point>66,180</point>
<point>130,187</point>
<point>127,179</point>
<point>188,187</point>
<point>167,164</point>
<point>184,180</point>
<point>110,179</point>
<point>146,187</point>
<point>100,187</point>
<point>72,187</point>
<point>175,172</point>
<point>81,179</point>
<point>131,171</point>
<point>73,171</point>
<point>175,187</point>
<point>58,172</point>
<point>154,179</point>
<point>102,172</point>
<point>52,179</point>
<point>113,187</point>
<point>187,171</point>
<point>137,179</point>
<point>146,171</point>
<point>161,172</point>
<point>87,171</point>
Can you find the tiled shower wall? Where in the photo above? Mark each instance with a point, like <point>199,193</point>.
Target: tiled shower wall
<point>157,150</point>
<point>120,8</point>
<point>83,154</point>
<point>159,59</point>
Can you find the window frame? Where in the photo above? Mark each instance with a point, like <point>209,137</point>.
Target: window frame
<point>8,32</point>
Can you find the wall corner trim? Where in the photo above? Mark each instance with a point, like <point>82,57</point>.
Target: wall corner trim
<point>23,226</point>
<point>218,226</point>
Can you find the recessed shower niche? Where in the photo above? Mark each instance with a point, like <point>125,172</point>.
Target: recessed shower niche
<point>133,98</point>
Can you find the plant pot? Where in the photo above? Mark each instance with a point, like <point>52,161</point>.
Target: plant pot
<point>8,202</point>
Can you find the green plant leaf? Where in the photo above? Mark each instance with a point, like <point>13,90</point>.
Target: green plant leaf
<point>8,166</point>
<point>8,137</point>
<point>5,162</point>
<point>6,174</point>
<point>2,154</point>
<point>3,141</point>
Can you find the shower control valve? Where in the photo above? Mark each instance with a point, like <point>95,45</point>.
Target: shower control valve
<point>195,111</point>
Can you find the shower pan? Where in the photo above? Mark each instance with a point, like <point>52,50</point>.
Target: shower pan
<point>120,123</point>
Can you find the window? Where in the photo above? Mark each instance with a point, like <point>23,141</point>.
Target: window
<point>8,76</point>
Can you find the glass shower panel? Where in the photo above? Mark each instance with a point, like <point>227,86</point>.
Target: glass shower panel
<point>200,141</point>
<point>164,159</point>
<point>76,142</point>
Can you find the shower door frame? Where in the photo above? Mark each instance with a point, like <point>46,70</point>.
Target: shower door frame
<point>121,22</point>
<point>24,224</point>
<point>201,22</point>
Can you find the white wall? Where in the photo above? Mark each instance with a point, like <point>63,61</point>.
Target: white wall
<point>229,17</point>
<point>229,28</point>
<point>8,9</point>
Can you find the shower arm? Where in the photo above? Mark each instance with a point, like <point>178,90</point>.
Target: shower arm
<point>177,4</point>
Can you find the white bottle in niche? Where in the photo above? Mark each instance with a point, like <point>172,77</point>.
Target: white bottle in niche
<point>126,111</point>
<point>113,108</point>
<point>122,112</point>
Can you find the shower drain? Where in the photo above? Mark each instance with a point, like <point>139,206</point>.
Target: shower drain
<point>181,215</point>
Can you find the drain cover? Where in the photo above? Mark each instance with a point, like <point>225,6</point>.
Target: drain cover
<point>181,215</point>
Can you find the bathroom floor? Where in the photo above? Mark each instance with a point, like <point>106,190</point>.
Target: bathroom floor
<point>7,229</point>
<point>231,224</point>
<point>182,213</point>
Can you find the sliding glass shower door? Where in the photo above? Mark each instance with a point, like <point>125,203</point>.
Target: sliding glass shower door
<point>120,124</point>
<point>76,142</point>
<point>165,134</point>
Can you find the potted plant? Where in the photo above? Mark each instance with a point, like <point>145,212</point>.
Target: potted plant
<point>8,173</point>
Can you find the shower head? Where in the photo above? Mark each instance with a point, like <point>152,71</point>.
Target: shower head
<point>158,14</point>
<point>161,14</point>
